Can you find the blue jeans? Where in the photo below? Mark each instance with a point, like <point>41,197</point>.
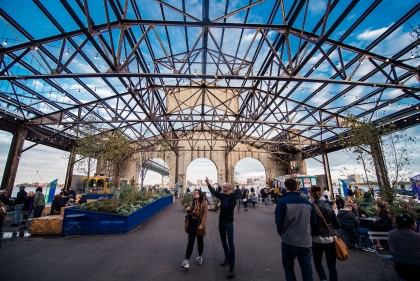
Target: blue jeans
<point>289,253</point>
<point>364,231</point>
<point>238,203</point>
<point>226,231</point>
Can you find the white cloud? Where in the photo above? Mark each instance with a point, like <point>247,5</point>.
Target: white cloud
<point>317,7</point>
<point>369,34</point>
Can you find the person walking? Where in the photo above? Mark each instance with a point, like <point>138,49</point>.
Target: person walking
<point>39,202</point>
<point>245,198</point>
<point>19,201</point>
<point>195,226</point>
<point>238,195</point>
<point>294,216</point>
<point>227,206</point>
<point>322,240</point>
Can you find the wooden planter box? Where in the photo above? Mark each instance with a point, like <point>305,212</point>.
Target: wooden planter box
<point>97,222</point>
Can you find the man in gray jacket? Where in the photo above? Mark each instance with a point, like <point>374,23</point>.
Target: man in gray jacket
<point>39,202</point>
<point>294,216</point>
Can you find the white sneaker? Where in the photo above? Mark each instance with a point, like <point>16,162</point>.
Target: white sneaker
<point>199,260</point>
<point>185,264</point>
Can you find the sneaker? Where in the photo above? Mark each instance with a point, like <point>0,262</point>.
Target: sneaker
<point>224,262</point>
<point>379,247</point>
<point>185,264</point>
<point>368,249</point>
<point>231,273</point>
<point>199,260</point>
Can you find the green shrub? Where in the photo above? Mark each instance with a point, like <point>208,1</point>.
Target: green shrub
<point>130,201</point>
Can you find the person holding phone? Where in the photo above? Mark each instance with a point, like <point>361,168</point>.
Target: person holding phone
<point>227,206</point>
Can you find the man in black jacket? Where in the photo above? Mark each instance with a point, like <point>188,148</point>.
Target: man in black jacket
<point>20,200</point>
<point>238,195</point>
<point>346,216</point>
<point>227,206</point>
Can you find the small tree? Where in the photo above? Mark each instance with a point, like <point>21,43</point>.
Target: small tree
<point>117,151</point>
<point>87,150</point>
<point>382,147</point>
<point>141,159</point>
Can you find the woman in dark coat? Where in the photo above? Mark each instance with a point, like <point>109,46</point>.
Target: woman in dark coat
<point>322,240</point>
<point>195,226</point>
<point>56,205</point>
<point>339,201</point>
<point>383,222</point>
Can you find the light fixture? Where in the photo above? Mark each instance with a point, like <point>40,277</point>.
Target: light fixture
<point>148,65</point>
<point>96,56</point>
<point>5,42</point>
<point>95,89</point>
<point>67,52</point>
<point>399,104</point>
<point>387,59</point>
<point>163,84</point>
<point>412,55</point>
<point>361,61</point>
<point>331,94</point>
<point>195,73</point>
<point>303,90</point>
<point>338,64</point>
<point>36,47</point>
<point>313,68</point>
<point>215,76</point>
<point>405,120</point>
<point>79,90</point>
<point>409,105</point>
<point>345,96</point>
<point>245,76</point>
<point>183,81</point>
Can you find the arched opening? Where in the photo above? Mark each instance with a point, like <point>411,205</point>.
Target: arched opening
<point>154,172</point>
<point>198,170</point>
<point>249,172</point>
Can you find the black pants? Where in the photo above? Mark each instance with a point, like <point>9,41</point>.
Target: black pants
<point>317,251</point>
<point>246,204</point>
<point>192,233</point>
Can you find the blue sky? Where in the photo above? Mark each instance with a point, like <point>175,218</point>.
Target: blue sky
<point>50,161</point>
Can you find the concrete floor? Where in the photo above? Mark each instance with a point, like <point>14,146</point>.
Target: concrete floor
<point>155,249</point>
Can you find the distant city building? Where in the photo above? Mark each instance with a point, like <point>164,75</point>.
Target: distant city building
<point>249,181</point>
<point>354,178</point>
<point>199,182</point>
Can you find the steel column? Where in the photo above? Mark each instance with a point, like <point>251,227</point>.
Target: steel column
<point>70,166</point>
<point>327,172</point>
<point>12,164</point>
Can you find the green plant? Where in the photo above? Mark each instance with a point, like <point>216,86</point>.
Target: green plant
<point>370,210</point>
<point>401,207</point>
<point>186,201</point>
<point>130,202</point>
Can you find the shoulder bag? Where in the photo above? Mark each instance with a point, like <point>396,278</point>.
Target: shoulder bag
<point>341,250</point>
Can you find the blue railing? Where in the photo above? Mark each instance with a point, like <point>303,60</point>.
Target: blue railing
<point>97,222</point>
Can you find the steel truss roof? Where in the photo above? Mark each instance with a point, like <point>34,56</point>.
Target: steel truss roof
<point>282,79</point>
